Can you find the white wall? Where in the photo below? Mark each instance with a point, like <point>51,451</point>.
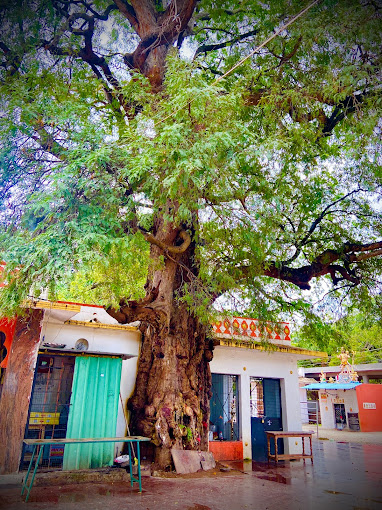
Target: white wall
<point>248,363</point>
<point>100,339</point>
<point>349,398</point>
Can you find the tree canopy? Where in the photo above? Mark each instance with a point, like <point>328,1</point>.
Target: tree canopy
<point>166,156</point>
<point>358,334</point>
<point>118,115</point>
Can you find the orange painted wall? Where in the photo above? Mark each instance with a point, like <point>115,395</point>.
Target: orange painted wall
<point>7,326</point>
<point>370,419</point>
<point>226,450</point>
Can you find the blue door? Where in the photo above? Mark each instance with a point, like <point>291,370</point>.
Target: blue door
<point>265,415</point>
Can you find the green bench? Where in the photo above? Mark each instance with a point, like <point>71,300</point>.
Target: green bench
<point>38,444</point>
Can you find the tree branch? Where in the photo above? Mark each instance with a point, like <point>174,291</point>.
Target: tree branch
<point>47,141</point>
<point>131,311</point>
<point>205,16</point>
<point>284,58</point>
<point>316,222</point>
<point>170,249</point>
<point>13,60</point>
<point>323,264</point>
<point>341,110</point>
<point>128,11</point>
<point>157,30</point>
<point>87,54</point>
<point>204,48</point>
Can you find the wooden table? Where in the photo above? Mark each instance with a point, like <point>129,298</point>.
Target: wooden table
<point>276,434</point>
<point>38,444</point>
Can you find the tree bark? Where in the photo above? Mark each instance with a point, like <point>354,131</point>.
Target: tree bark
<point>171,398</point>
<point>170,403</point>
<point>158,32</point>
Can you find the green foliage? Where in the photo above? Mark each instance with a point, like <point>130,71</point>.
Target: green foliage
<point>189,434</point>
<point>243,162</point>
<point>119,270</point>
<point>358,334</point>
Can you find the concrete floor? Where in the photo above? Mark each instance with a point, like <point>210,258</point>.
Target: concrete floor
<point>345,435</point>
<point>344,475</point>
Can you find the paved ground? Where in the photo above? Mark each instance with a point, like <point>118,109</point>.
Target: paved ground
<point>345,475</point>
<point>346,435</point>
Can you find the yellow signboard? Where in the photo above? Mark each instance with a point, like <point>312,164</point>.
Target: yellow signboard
<point>44,418</point>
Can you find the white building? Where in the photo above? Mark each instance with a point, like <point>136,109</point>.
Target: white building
<point>265,376</point>
<point>70,372</point>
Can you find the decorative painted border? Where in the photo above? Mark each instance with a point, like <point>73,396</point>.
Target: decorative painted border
<point>273,332</point>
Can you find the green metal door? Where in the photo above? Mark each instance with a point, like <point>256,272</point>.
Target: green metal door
<point>93,411</point>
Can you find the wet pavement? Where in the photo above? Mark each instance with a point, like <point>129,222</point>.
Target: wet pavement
<point>344,475</point>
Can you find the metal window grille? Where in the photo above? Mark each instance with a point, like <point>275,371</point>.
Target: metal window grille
<point>310,413</point>
<point>340,415</point>
<point>257,398</point>
<point>49,407</point>
<point>224,406</point>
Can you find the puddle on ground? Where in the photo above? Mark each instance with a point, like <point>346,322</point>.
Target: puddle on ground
<point>265,467</point>
<point>338,492</point>
<point>275,478</point>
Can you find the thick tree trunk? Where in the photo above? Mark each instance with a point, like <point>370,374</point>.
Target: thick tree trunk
<point>171,399</point>
<point>158,31</point>
<point>170,403</point>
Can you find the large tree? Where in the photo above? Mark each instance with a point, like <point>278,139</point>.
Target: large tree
<point>135,149</point>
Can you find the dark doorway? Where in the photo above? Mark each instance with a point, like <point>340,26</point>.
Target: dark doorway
<point>340,416</point>
<point>265,415</point>
<point>49,407</point>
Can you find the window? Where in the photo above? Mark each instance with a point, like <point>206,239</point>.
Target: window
<point>224,406</point>
<point>257,398</point>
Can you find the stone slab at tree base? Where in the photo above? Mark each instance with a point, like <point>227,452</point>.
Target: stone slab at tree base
<point>207,460</point>
<point>189,461</point>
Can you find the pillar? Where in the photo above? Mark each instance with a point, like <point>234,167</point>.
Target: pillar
<point>15,397</point>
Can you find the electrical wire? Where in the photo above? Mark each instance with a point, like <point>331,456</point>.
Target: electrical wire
<point>238,64</point>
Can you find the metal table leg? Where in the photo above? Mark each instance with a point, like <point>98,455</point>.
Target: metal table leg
<point>37,462</point>
<point>24,486</point>
<point>130,464</point>
<point>276,452</point>
<point>139,467</point>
